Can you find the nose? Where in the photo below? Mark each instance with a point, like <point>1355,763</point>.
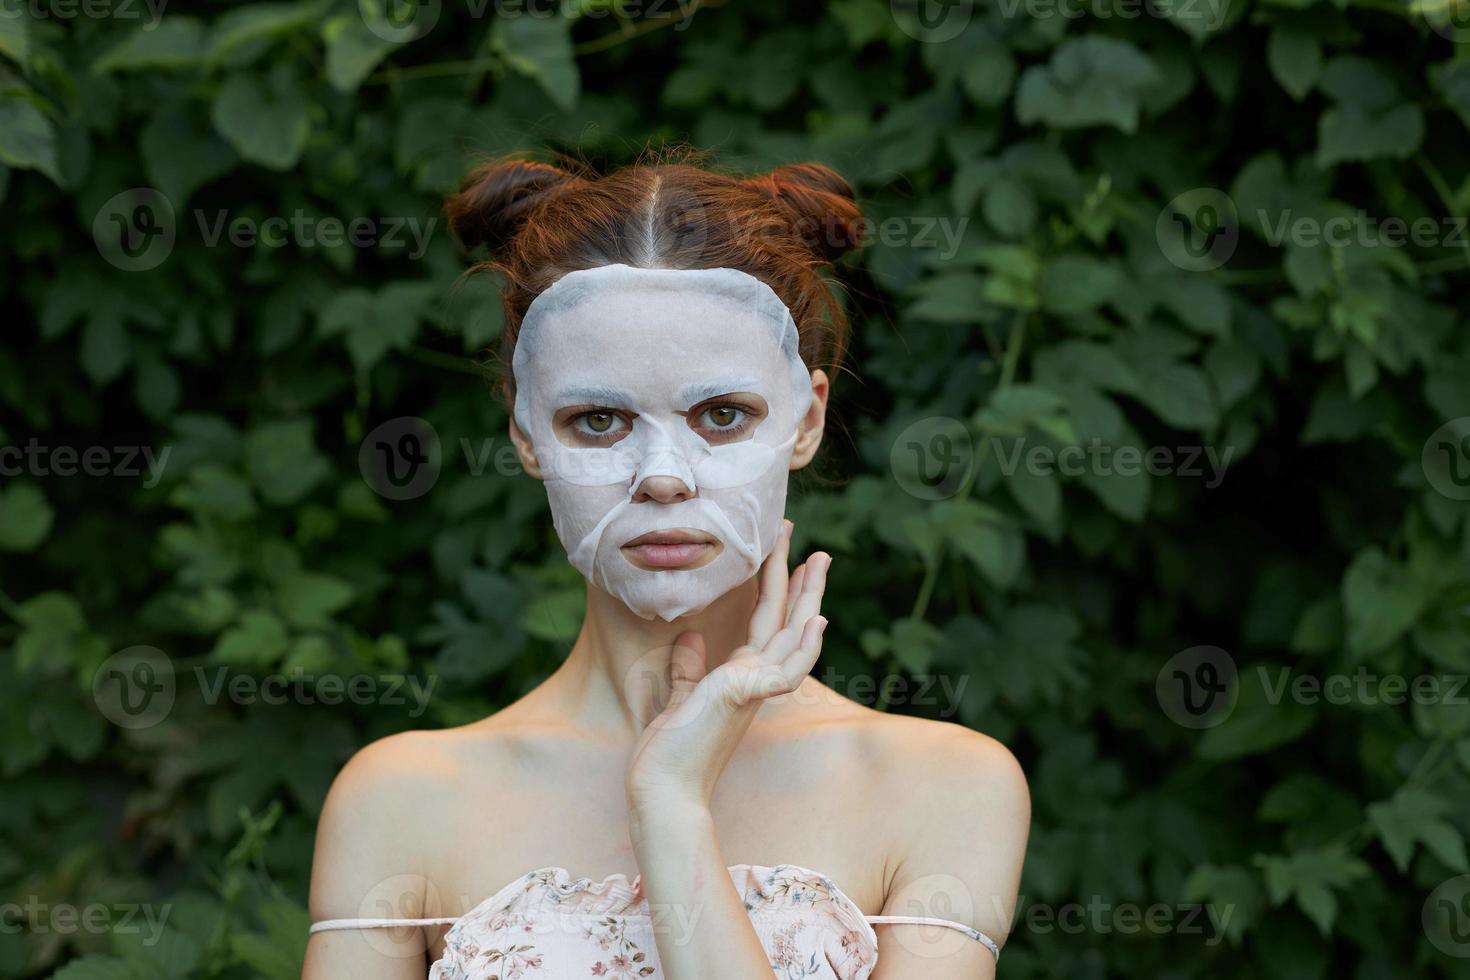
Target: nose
<point>662,489</point>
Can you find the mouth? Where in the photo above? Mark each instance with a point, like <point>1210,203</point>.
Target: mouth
<point>681,548</point>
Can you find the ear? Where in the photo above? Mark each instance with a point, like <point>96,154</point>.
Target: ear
<point>524,450</point>
<point>809,428</point>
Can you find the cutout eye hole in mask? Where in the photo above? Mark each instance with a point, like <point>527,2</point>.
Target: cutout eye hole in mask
<point>623,375</point>
<point>731,418</point>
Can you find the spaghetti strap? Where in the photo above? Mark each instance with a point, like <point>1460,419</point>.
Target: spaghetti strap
<point>921,920</point>
<point>332,925</point>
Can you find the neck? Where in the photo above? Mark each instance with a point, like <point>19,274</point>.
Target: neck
<point>617,674</point>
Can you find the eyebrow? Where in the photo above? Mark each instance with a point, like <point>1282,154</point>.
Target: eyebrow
<point>602,395</point>
<point>698,391</point>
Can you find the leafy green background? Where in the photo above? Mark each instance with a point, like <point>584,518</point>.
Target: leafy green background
<point>1058,140</point>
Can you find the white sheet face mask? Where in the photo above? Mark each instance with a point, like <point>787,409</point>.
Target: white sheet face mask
<point>645,346</point>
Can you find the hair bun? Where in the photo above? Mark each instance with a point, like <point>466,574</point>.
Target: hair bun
<point>496,198</point>
<point>821,204</point>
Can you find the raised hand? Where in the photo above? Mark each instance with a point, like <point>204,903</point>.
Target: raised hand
<point>681,754</point>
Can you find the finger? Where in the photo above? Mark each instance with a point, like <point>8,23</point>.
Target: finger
<point>801,661</point>
<point>793,589</point>
<point>770,608</point>
<point>686,666</point>
<point>805,603</point>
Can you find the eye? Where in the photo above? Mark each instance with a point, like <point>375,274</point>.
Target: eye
<point>724,416</point>
<point>599,422</point>
<point>596,426</point>
<point>727,421</point>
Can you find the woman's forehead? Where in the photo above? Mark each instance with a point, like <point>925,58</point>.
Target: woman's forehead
<point>662,339</point>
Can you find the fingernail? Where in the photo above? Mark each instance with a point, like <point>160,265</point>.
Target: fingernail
<point>821,625</point>
<point>787,528</point>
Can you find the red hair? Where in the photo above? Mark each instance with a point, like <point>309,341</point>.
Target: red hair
<point>541,222</point>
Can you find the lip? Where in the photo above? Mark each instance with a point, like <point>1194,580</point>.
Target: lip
<point>671,549</point>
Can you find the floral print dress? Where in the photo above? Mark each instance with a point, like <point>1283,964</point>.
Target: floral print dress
<point>548,925</point>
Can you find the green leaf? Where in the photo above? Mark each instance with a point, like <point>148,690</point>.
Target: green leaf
<point>1010,207</point>
<point>951,298</point>
<point>375,323</point>
<point>1264,717</point>
<point>25,517</point>
<point>167,955</point>
<point>1312,878</point>
<point>1074,284</point>
<point>97,968</point>
<point>259,641</point>
<point>1295,57</point>
<point>1234,888</point>
<point>1381,600</point>
<point>1452,80</point>
<point>53,630</point>
<point>1090,81</point>
<point>27,137</point>
<point>912,642</point>
<point>15,34</point>
<point>278,953</point>
<point>173,42</point>
<point>267,122</point>
<point>1349,133</point>
<point>555,616</point>
<point>257,22</point>
<point>310,599</point>
<point>989,74</point>
<point>283,461</point>
<point>105,350</point>
<point>353,51</point>
<point>540,47</point>
<point>1415,816</point>
<point>181,153</point>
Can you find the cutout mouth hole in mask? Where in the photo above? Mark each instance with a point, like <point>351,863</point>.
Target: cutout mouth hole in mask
<point>675,549</point>
<point>662,403</point>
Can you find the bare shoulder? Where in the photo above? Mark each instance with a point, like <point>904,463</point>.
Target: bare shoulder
<point>385,810</point>
<point>927,759</point>
<point>959,816</point>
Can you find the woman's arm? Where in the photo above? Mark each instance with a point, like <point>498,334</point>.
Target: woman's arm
<point>680,757</point>
<point>364,868</point>
<point>963,843</point>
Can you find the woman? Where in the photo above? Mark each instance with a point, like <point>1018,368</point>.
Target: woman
<point>671,333</point>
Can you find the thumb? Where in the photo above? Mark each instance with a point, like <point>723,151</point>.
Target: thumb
<point>686,666</point>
